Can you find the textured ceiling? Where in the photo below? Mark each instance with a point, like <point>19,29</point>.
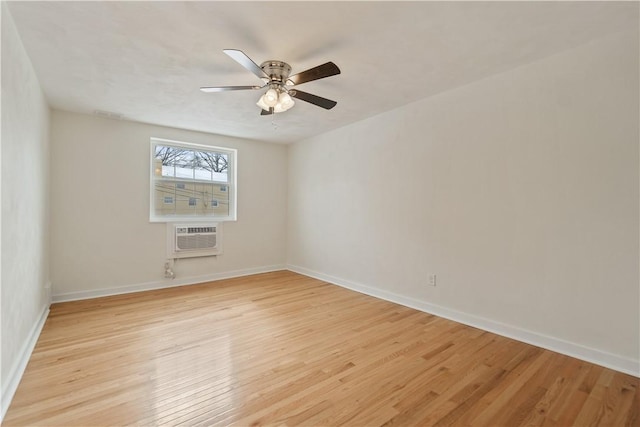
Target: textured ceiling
<point>147,60</point>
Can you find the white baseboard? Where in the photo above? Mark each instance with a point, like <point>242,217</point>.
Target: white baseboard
<point>598,357</point>
<point>10,386</point>
<point>161,284</point>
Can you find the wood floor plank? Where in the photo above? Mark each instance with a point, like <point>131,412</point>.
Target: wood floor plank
<point>285,349</point>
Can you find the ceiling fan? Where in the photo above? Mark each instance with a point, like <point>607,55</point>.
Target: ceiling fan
<point>275,75</point>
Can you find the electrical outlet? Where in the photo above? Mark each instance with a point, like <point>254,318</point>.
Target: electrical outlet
<point>168,270</point>
<point>432,280</point>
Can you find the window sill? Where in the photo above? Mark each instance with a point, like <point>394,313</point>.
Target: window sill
<point>192,219</point>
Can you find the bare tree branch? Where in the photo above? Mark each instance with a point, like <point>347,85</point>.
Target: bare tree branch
<point>171,155</point>
<point>215,162</point>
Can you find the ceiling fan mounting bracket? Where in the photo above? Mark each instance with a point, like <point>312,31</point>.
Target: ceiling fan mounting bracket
<point>277,71</point>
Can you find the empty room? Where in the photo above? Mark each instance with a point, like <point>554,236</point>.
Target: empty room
<point>320,213</point>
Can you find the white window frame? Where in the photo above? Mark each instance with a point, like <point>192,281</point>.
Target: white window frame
<point>231,184</point>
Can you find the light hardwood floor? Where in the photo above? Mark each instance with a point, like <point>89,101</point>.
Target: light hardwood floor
<point>284,349</point>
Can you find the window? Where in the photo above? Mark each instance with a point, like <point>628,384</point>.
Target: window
<point>192,182</point>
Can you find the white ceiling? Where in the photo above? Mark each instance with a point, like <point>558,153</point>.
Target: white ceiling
<point>147,60</point>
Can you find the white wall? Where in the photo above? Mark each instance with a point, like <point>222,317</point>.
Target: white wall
<point>24,232</point>
<point>101,236</point>
<point>519,191</point>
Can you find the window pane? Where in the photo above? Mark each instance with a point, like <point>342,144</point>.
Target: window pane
<point>213,165</point>
<point>220,176</point>
<point>182,204</point>
<point>168,171</point>
<point>169,158</point>
<point>163,192</point>
<point>184,172</point>
<point>202,174</point>
<point>222,197</point>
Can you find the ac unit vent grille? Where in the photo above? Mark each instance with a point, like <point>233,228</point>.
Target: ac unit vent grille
<point>195,241</point>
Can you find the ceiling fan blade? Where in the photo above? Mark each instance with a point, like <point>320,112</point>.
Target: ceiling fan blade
<point>265,112</point>
<point>313,99</point>
<point>227,88</point>
<point>241,58</point>
<point>320,72</point>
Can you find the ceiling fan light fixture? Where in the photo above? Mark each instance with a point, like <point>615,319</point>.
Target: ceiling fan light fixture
<point>262,104</point>
<point>279,108</point>
<point>271,97</point>
<point>285,101</point>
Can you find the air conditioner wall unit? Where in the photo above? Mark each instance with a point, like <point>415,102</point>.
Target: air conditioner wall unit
<point>193,240</point>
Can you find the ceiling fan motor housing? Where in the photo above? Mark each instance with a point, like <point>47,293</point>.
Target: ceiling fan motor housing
<point>277,71</point>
